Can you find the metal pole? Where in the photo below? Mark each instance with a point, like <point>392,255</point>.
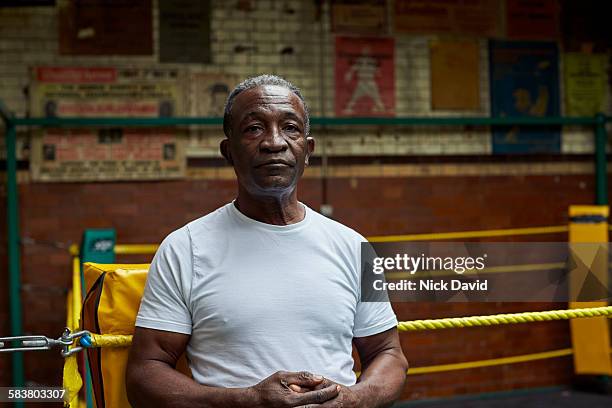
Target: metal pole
<point>601,165</point>
<point>14,255</point>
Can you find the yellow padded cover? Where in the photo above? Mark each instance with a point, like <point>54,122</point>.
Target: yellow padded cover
<point>111,305</point>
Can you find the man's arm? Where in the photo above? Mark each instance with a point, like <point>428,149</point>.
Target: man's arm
<point>152,380</point>
<point>383,369</point>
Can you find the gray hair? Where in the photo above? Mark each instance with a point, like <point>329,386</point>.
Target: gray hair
<point>254,82</point>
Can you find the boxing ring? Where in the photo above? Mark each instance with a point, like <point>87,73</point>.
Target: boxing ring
<point>89,340</point>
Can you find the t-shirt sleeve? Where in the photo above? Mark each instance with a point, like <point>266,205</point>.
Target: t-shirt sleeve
<point>164,304</point>
<point>371,317</point>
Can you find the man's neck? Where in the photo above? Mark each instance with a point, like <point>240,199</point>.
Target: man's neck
<point>275,210</point>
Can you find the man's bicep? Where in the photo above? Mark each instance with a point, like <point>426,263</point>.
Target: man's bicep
<point>157,345</point>
<point>370,346</point>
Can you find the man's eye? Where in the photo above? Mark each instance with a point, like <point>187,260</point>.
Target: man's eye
<point>292,128</point>
<point>253,129</point>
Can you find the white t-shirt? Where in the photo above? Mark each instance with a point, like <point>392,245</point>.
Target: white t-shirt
<point>257,298</point>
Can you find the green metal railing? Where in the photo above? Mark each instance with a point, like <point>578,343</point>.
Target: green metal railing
<point>11,123</point>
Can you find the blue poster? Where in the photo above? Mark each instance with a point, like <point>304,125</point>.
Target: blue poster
<point>524,82</point>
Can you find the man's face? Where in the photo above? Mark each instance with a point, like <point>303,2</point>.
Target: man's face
<point>267,146</point>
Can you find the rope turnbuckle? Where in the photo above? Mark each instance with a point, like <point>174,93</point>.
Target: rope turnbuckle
<point>38,342</point>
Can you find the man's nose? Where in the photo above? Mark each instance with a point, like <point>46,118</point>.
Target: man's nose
<point>273,140</point>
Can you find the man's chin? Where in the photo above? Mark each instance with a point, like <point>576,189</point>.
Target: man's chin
<point>274,185</point>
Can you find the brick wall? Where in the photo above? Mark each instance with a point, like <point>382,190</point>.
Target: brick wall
<point>146,212</point>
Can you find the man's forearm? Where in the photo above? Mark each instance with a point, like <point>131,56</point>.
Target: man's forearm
<point>156,384</point>
<point>381,382</point>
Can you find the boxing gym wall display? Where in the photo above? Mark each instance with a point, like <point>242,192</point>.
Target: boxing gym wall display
<point>106,153</point>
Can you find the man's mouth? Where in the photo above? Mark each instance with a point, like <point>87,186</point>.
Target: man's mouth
<point>274,163</point>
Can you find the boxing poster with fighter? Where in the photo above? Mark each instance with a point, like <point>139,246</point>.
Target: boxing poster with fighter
<point>365,76</point>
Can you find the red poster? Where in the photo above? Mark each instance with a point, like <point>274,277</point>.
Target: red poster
<point>365,76</point>
<point>532,20</point>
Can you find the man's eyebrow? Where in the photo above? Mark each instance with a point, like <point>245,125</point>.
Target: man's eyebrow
<point>294,116</point>
<point>250,115</point>
<point>285,114</point>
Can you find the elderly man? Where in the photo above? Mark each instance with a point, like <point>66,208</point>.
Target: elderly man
<point>263,293</point>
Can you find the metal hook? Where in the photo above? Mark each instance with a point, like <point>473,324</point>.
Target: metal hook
<point>35,342</point>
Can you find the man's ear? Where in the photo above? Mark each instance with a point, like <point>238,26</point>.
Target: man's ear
<point>225,151</point>
<point>310,145</point>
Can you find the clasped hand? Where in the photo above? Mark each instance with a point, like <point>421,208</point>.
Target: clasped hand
<point>302,389</point>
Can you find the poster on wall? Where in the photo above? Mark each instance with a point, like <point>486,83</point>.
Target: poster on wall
<point>105,91</point>
<point>524,82</point>
<point>208,93</point>
<point>532,20</point>
<point>475,17</point>
<point>365,76</point>
<point>359,16</point>
<point>184,31</point>
<point>586,82</point>
<point>94,27</point>
<point>455,79</point>
<point>106,154</point>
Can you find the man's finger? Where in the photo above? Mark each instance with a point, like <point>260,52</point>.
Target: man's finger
<point>303,379</point>
<point>296,388</point>
<point>324,384</point>
<point>316,397</point>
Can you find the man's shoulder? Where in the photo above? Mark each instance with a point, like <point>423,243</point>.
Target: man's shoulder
<point>211,221</point>
<point>336,228</point>
<point>207,223</point>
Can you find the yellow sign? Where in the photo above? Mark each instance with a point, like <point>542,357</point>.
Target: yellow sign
<point>585,83</point>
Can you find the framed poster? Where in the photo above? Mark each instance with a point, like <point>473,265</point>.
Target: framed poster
<point>184,31</point>
<point>476,17</point>
<point>524,82</point>
<point>99,154</point>
<point>586,83</point>
<point>359,16</point>
<point>365,76</point>
<point>93,27</point>
<point>60,155</point>
<point>208,93</point>
<point>455,75</point>
<point>105,91</point>
<point>532,20</point>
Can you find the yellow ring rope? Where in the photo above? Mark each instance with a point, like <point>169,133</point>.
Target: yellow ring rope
<point>147,249</point>
<point>509,318</point>
<point>471,234</point>
<point>523,358</point>
<point>120,340</point>
<point>110,340</point>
